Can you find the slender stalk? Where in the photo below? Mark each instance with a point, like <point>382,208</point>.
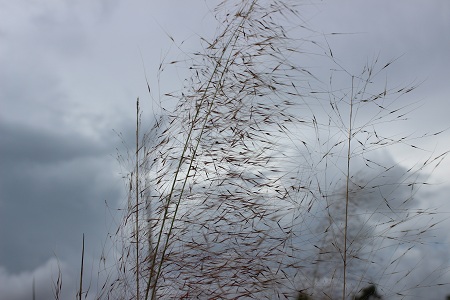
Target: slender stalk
<point>137,199</point>
<point>148,209</point>
<point>80,291</point>
<point>349,140</point>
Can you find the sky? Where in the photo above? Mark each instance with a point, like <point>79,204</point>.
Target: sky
<point>70,73</point>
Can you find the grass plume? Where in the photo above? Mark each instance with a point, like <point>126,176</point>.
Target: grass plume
<point>266,181</point>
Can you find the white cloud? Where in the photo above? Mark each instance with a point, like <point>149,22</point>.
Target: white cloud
<point>20,286</point>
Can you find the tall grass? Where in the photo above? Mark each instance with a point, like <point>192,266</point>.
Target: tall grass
<point>265,181</point>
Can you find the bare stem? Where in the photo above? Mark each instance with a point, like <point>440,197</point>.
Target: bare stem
<point>349,140</point>
<point>80,292</point>
<point>137,199</point>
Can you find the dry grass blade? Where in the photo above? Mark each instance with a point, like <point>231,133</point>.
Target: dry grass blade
<point>80,289</point>
<point>57,286</point>
<point>136,233</point>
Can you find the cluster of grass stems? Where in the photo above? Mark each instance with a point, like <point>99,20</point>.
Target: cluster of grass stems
<point>267,182</point>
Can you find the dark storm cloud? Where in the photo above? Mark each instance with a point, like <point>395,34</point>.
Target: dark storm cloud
<point>53,188</point>
<point>22,144</point>
<point>57,147</point>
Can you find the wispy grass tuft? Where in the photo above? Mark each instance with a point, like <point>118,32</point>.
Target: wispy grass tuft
<point>267,181</point>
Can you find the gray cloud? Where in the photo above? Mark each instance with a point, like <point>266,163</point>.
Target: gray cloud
<point>31,145</point>
<point>52,188</point>
<point>20,285</point>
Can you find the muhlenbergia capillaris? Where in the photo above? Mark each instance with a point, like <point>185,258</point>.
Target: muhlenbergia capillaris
<point>267,181</point>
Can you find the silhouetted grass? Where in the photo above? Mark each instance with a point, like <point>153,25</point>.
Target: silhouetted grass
<point>265,180</point>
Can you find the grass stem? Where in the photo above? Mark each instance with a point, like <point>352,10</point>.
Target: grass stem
<point>347,189</point>
<point>136,233</point>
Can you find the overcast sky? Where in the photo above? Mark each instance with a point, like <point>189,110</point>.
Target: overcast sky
<point>70,73</point>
